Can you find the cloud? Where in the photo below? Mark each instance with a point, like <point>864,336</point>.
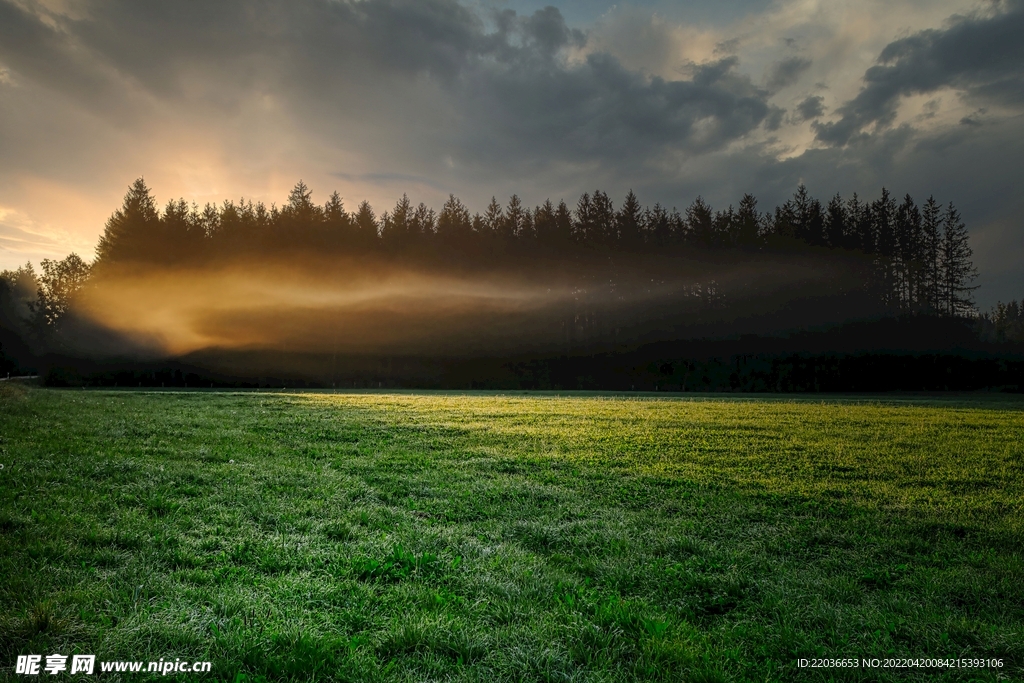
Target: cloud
<point>981,56</point>
<point>811,107</point>
<point>787,72</point>
<point>506,94</point>
<point>21,240</point>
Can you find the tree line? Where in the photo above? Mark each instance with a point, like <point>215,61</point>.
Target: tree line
<point>922,254</point>
<point>919,257</point>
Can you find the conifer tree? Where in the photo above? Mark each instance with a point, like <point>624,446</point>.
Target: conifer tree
<point>658,228</point>
<point>337,225</point>
<point>883,214</point>
<point>395,226</point>
<point>493,216</point>
<point>563,225</point>
<point>836,229</point>
<point>748,222</point>
<point>133,231</point>
<point>859,221</point>
<point>605,232</point>
<point>453,223</point>
<point>584,224</point>
<point>700,222</point>
<point>784,222</point>
<point>724,228</point>
<point>957,268</point>
<point>514,219</point>
<point>423,223</point>
<point>365,225</point>
<point>544,224</point>
<point>931,229</point>
<point>629,222</point>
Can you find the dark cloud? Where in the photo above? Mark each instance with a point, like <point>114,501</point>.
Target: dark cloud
<point>601,110</point>
<point>981,56</point>
<point>514,94</point>
<point>727,47</point>
<point>775,118</point>
<point>811,108</point>
<point>787,72</point>
<point>546,29</point>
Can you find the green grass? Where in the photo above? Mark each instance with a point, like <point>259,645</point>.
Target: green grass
<point>437,537</point>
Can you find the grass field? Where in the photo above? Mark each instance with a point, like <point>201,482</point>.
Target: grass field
<point>436,537</point>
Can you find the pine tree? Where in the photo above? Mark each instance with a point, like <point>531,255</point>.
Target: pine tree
<point>909,248</point>
<point>133,232</point>
<point>337,225</point>
<point>454,225</point>
<point>784,222</point>
<point>563,225</point>
<point>748,223</point>
<point>605,232</point>
<point>724,228</point>
<point>544,224</point>
<point>181,232</point>
<point>300,221</point>
<point>513,220</point>
<point>658,229</point>
<point>528,232</point>
<point>395,226</point>
<point>629,222</point>
<point>700,223</point>
<point>814,227</point>
<point>957,268</point>
<point>366,228</point>
<point>493,217</point>
<point>583,227</point>
<point>883,215</point>
<point>859,235</point>
<point>836,228</point>
<point>300,202</point>
<point>422,225</point>
<point>931,229</point>
<point>807,216</point>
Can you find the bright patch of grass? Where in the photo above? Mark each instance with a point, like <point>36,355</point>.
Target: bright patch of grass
<point>403,537</point>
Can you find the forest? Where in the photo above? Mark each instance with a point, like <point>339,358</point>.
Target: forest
<point>514,285</point>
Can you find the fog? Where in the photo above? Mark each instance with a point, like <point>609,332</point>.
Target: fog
<point>365,306</point>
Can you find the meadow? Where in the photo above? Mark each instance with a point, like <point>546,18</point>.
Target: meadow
<point>465,537</point>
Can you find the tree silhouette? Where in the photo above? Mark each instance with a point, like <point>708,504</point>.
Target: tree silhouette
<point>700,223</point>
<point>748,222</point>
<point>957,268</point>
<point>585,221</point>
<point>58,284</point>
<point>337,224</point>
<point>513,222</point>
<point>366,228</point>
<point>132,232</point>
<point>837,228</point>
<point>931,251</point>
<point>629,222</point>
<point>454,225</point>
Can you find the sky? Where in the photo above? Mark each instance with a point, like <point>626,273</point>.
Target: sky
<point>480,98</point>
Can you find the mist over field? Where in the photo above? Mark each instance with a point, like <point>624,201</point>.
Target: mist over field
<point>307,304</point>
